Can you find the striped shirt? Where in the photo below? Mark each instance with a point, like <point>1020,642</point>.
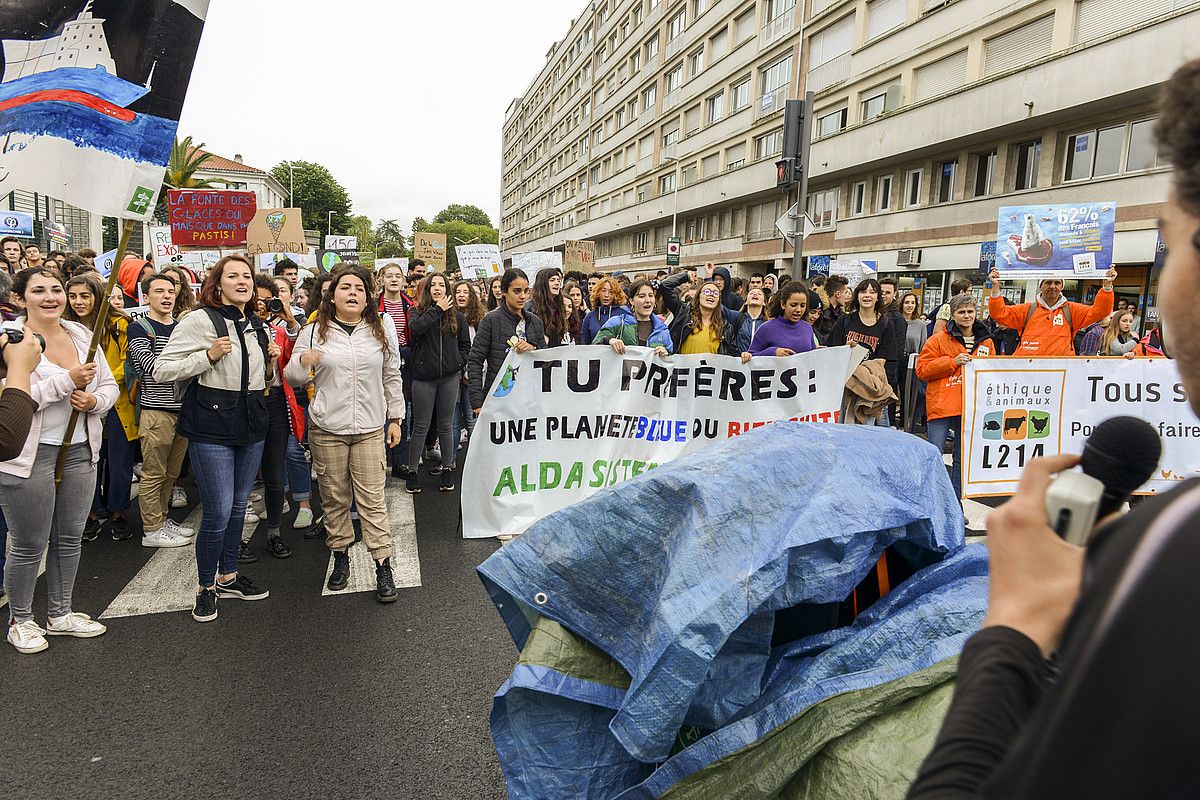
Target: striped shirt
<point>144,351</point>
<point>398,311</point>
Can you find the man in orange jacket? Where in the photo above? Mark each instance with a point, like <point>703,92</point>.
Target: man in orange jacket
<point>1048,326</point>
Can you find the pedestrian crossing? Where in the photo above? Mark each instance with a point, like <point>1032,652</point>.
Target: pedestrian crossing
<point>406,566</point>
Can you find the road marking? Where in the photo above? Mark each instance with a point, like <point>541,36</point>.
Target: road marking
<point>166,583</point>
<point>977,514</point>
<point>406,565</point>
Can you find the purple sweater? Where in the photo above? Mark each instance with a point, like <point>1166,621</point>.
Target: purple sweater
<point>778,332</point>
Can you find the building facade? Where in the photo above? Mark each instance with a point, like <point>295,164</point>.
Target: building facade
<point>652,116</point>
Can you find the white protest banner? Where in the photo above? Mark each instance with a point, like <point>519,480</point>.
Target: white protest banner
<point>854,271</point>
<point>1015,410</point>
<point>560,425</point>
<point>384,263</point>
<point>479,260</point>
<point>105,261</point>
<point>533,263</point>
<point>167,254</point>
<point>341,242</point>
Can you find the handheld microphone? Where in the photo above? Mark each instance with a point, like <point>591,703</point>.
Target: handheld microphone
<point>1120,455</point>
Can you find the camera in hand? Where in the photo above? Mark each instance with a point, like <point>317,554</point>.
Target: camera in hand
<point>16,336</point>
<point>275,305</point>
<point>1120,455</point>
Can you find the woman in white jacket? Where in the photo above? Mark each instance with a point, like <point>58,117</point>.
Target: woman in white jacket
<point>37,514</point>
<point>351,354</point>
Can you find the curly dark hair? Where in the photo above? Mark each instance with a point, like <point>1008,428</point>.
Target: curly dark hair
<point>1178,133</point>
<point>326,313</point>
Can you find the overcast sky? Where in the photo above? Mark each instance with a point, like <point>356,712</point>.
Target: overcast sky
<point>403,102</point>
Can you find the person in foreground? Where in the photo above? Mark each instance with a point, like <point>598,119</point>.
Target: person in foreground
<point>1081,683</point>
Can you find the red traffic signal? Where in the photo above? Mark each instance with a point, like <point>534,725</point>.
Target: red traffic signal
<point>787,173</point>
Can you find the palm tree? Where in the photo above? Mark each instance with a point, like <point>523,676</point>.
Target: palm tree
<point>186,160</point>
<point>389,231</point>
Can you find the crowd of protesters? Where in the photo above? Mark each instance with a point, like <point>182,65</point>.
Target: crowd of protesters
<point>267,387</point>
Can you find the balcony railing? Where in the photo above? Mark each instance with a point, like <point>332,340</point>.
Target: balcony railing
<point>829,73</point>
<point>771,102</point>
<point>776,29</point>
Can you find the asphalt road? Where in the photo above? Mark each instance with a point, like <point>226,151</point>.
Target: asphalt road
<point>298,696</point>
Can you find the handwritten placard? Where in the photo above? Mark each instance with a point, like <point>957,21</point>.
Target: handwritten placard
<point>210,218</point>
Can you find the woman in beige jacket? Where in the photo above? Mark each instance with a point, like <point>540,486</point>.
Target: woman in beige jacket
<point>351,354</point>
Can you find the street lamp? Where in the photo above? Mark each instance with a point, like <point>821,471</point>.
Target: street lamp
<point>329,227</point>
<point>460,241</point>
<point>291,185</point>
<point>675,213</point>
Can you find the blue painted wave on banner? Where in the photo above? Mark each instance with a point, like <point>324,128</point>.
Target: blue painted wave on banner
<point>96,81</point>
<point>146,139</point>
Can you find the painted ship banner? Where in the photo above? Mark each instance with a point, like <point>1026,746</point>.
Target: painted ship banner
<point>90,97</point>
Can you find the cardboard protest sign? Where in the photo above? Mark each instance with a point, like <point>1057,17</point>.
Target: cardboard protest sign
<point>579,256</point>
<point>168,254</point>
<point>430,248</point>
<point>275,230</point>
<point>1059,241</point>
<point>93,124</point>
<point>1016,410</point>
<point>854,271</point>
<point>479,260</point>
<point>209,217</point>
<point>533,263</point>
<point>561,425</point>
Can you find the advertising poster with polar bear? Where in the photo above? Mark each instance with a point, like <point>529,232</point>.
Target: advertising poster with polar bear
<point>1061,241</point>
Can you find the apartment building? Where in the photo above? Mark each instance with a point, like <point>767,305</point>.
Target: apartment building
<point>652,116</point>
<point>85,230</point>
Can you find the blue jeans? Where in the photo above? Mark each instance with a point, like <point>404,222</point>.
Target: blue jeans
<point>938,430</point>
<point>224,476</point>
<point>114,480</point>
<point>299,473</point>
<point>462,413</point>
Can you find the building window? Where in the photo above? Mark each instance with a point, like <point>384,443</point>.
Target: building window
<point>671,137</point>
<point>777,8</point>
<point>985,168</point>
<point>595,174</point>
<point>699,7</point>
<point>714,108</point>
<point>912,188</point>
<point>649,98</point>
<point>883,193</point>
<point>858,199</point>
<point>696,63</point>
<point>832,122</point>
<point>823,208</point>
<point>777,76</point>
<point>666,184</point>
<point>947,172</point>
<point>874,105</point>
<point>744,27</point>
<point>635,62</point>
<point>674,79</point>
<point>1094,154</point>
<point>768,145</point>
<point>676,25</point>
<point>651,49</point>
<point>639,242</point>
<point>884,16</point>
<point>741,94</point>
<point>1028,160</point>
<point>1143,148</point>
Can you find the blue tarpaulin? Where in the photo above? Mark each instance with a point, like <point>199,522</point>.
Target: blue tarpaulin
<point>675,577</point>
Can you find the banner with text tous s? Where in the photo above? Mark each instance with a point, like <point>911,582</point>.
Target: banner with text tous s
<point>1015,410</point>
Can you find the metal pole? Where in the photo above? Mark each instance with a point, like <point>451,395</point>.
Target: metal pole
<point>675,213</point>
<point>291,185</point>
<point>802,200</point>
<point>97,329</point>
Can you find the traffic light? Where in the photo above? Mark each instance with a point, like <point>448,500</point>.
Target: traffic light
<point>787,173</point>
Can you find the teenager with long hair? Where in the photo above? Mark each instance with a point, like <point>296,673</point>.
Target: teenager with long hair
<point>39,514</point>
<point>495,295</point>
<point>789,333</point>
<point>467,302</point>
<point>547,303</point>
<point>115,473</point>
<point>352,354</point>
<point>225,352</point>
<point>755,309</point>
<point>639,325</point>
<point>607,299</point>
<point>1118,338</point>
<point>867,325</point>
<point>441,341</point>
<point>509,326</point>
<point>704,325</point>
<point>185,298</point>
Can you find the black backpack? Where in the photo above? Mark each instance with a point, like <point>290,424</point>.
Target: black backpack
<point>225,416</point>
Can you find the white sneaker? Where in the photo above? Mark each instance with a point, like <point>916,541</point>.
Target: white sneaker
<point>252,518</point>
<point>164,537</point>
<point>178,497</point>
<point>27,637</point>
<point>74,624</point>
<point>304,519</point>
<point>286,507</point>
<point>178,530</point>
<point>462,437</point>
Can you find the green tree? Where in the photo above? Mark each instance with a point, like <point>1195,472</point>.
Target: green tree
<point>361,226</point>
<point>388,230</point>
<point>185,161</point>
<point>458,233</point>
<point>472,215</point>
<point>391,249</point>
<point>317,193</point>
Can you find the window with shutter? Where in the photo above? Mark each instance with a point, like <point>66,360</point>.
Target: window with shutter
<point>1018,47</point>
<point>885,15</point>
<point>832,42</point>
<point>940,76</point>
<point>1095,19</point>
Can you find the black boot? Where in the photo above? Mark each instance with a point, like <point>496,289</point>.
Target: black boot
<point>341,571</point>
<point>385,584</point>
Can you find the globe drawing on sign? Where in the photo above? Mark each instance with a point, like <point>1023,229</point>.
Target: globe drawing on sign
<point>507,383</point>
<point>329,260</point>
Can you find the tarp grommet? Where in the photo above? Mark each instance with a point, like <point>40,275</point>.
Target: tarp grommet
<point>541,599</point>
